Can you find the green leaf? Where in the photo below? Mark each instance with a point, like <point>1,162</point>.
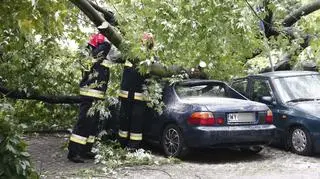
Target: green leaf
<point>25,154</point>
<point>11,149</point>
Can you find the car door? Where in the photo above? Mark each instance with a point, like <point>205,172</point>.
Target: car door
<point>262,87</point>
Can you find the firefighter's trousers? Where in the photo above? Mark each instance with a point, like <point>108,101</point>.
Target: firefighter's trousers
<point>131,122</point>
<point>85,130</point>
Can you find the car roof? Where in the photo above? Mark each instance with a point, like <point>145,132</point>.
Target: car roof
<point>198,82</point>
<point>281,74</point>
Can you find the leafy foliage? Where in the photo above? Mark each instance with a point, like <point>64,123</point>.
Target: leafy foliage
<point>110,156</point>
<point>154,91</point>
<point>189,31</point>
<point>41,116</point>
<point>35,58</point>
<point>14,160</point>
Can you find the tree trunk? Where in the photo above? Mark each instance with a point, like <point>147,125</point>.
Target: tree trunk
<point>107,14</point>
<point>112,35</point>
<point>16,94</point>
<point>296,15</point>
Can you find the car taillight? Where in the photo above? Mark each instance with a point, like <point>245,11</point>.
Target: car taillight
<point>269,117</point>
<point>204,119</point>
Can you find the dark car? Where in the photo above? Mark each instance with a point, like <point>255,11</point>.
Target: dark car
<point>205,114</point>
<point>293,97</point>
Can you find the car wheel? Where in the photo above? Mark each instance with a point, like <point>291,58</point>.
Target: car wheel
<point>173,142</point>
<point>252,149</point>
<point>300,141</point>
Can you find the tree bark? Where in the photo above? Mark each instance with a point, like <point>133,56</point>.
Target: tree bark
<point>296,15</point>
<point>112,35</point>
<point>109,17</point>
<point>16,94</point>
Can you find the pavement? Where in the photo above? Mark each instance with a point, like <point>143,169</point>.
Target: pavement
<point>48,153</point>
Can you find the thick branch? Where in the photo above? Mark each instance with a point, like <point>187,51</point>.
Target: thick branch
<point>302,11</point>
<point>280,66</point>
<point>112,35</point>
<point>287,31</point>
<point>16,94</point>
<point>100,9</point>
<point>107,14</point>
<point>284,63</point>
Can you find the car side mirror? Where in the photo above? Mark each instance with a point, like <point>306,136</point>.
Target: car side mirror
<point>268,100</point>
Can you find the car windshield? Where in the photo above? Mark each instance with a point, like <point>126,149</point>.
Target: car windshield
<point>193,90</point>
<point>298,88</point>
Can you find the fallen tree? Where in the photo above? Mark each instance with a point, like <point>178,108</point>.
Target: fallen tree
<point>296,15</point>
<point>92,13</point>
<point>286,29</point>
<point>100,16</point>
<point>16,94</point>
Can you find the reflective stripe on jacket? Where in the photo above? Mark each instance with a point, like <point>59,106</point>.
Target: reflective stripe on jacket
<point>137,96</point>
<point>132,79</point>
<point>92,93</point>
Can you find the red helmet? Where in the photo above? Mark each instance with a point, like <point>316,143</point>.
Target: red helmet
<point>147,36</point>
<point>96,39</point>
<point>148,39</point>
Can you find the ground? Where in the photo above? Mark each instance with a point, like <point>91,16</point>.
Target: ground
<point>49,156</point>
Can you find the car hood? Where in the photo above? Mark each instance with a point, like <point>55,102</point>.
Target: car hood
<point>226,104</point>
<point>308,107</point>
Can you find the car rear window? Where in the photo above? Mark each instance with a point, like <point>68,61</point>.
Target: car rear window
<point>210,90</point>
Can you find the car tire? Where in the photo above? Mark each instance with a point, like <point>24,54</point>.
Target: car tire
<point>252,149</point>
<point>300,141</point>
<point>172,142</point>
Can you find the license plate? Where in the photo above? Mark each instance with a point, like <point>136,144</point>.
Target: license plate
<point>241,117</point>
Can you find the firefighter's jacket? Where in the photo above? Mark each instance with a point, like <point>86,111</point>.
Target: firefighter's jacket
<point>133,81</point>
<point>94,82</point>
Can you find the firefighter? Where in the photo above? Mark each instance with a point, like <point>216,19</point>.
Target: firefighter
<point>92,88</point>
<point>133,101</point>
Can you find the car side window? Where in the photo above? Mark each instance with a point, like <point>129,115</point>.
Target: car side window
<point>260,88</point>
<point>241,86</point>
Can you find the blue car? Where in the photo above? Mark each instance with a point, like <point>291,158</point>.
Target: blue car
<point>294,98</point>
<point>206,114</point>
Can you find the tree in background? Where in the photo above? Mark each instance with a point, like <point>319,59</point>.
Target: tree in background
<point>36,63</point>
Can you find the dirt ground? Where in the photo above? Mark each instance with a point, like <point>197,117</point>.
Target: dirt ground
<point>49,157</point>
